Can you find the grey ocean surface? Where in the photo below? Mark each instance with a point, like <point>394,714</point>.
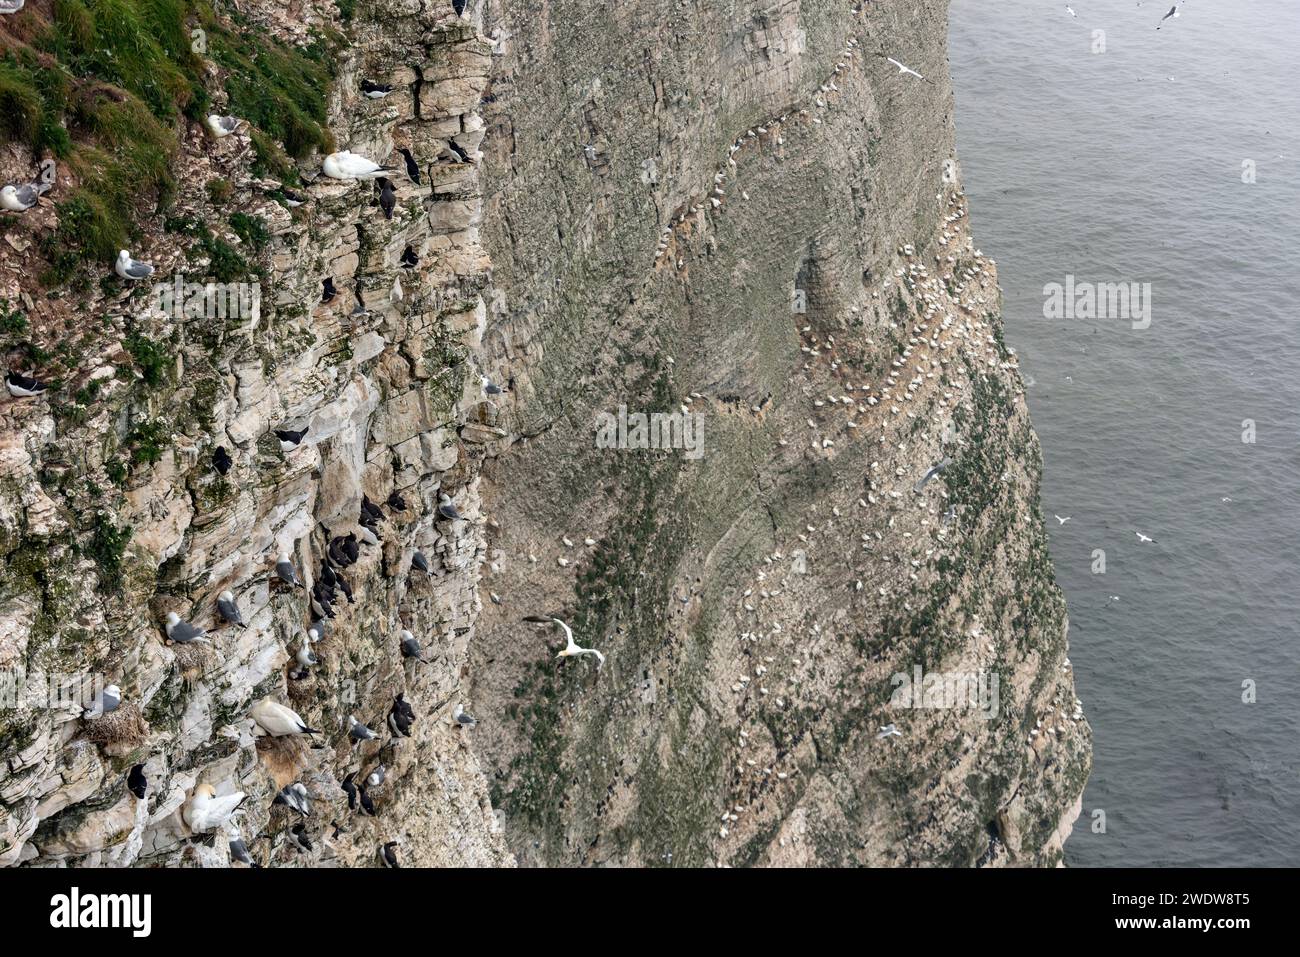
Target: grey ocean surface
<point>1100,166</point>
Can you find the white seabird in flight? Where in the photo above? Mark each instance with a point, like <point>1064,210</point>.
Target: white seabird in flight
<point>1174,12</point>
<point>888,731</point>
<point>571,650</point>
<point>903,69</point>
<point>1143,538</point>
<point>1060,519</point>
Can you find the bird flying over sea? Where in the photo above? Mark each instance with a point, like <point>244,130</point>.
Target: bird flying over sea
<point>904,69</point>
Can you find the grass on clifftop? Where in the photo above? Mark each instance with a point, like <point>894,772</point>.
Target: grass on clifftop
<point>105,88</point>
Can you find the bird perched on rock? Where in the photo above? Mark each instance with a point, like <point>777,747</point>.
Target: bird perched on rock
<point>375,91</point>
<point>295,797</point>
<point>409,259</point>
<point>229,610</point>
<point>571,649</point>
<point>19,199</point>
<point>328,292</point>
<point>459,7</point>
<point>136,782</point>
<point>277,720</point>
<point>401,717</point>
<point>239,850</point>
<point>387,196</point>
<point>376,777</point>
<point>22,387</point>
<point>410,646</point>
<point>420,563</point>
<point>463,717</point>
<point>320,603</point>
<point>370,512</point>
<point>301,839</point>
<point>349,165</point>
<point>447,508</point>
<point>366,801</point>
<point>454,153</point>
<point>132,269</point>
<point>182,632</point>
<point>305,657</point>
<point>106,702</point>
<point>490,387</point>
<point>358,731</point>
<point>395,501</point>
<point>289,439</point>
<point>289,197</point>
<point>221,460</point>
<point>207,812</point>
<point>388,854</point>
<point>222,126</point>
<point>350,790</point>
<point>412,167</point>
<point>367,536</point>
<point>285,571</point>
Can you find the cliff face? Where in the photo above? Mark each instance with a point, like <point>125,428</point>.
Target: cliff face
<point>739,211</point>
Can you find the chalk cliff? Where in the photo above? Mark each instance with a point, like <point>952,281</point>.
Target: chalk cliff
<point>738,212</point>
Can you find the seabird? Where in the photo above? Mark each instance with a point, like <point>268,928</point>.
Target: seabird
<point>11,6</point>
<point>412,167</point>
<point>411,647</point>
<point>221,460</point>
<point>1143,538</point>
<point>295,797</point>
<point>105,702</point>
<point>447,508</point>
<point>889,731</point>
<point>350,790</point>
<point>327,575</point>
<point>289,439</point>
<point>902,69</point>
<point>458,155</point>
<point>409,259</point>
<point>285,570</point>
<point>22,387</point>
<point>459,7</point>
<point>291,199</point>
<point>1173,12</point>
<point>463,717</point>
<point>358,731</point>
<point>1060,519</point>
<point>366,535</point>
<point>229,610</point>
<point>19,199</point>
<point>239,850</point>
<point>182,632</point>
<point>367,803</point>
<point>419,562</point>
<point>1070,11</point>
<point>305,656</point>
<point>571,650</point>
<point>136,782</point>
<point>376,777</point>
<point>388,853</point>
<point>276,720</point>
<point>349,165</point>
<point>934,470</point>
<point>490,387</point>
<point>328,292</point>
<point>370,509</point>
<point>222,126</point>
<point>300,837</point>
<point>401,717</point>
<point>207,812</point>
<point>395,501</point>
<point>132,269</point>
<point>387,197</point>
<point>375,91</point>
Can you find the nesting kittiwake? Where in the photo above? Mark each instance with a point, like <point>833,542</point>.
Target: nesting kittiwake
<point>410,646</point>
<point>105,702</point>
<point>239,850</point>
<point>463,717</point>
<point>182,632</point>
<point>305,657</point>
<point>286,572</point>
<point>19,199</point>
<point>571,650</point>
<point>358,731</point>
<point>277,720</point>
<point>295,797</point>
<point>222,126</point>
<point>388,853</point>
<point>23,387</point>
<point>221,460</point>
<point>376,777</point>
<point>447,508</point>
<point>132,269</point>
<point>349,165</point>
<point>207,812</point>
<point>229,610</point>
<point>291,439</point>
<point>490,387</point>
<point>136,782</point>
